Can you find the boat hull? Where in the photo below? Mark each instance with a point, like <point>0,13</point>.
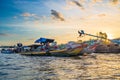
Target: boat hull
<point>66,53</point>
<point>33,53</point>
<point>61,53</point>
<point>7,51</point>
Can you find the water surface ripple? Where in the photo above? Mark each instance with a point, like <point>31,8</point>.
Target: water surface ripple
<point>91,67</point>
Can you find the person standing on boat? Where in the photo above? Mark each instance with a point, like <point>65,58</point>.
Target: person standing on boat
<point>47,46</point>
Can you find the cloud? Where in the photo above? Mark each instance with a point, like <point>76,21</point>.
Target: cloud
<point>15,17</point>
<point>6,34</point>
<point>3,34</point>
<point>26,14</point>
<point>57,15</point>
<point>97,1</point>
<point>31,39</point>
<point>78,4</point>
<point>102,15</point>
<point>115,2</point>
<point>29,16</point>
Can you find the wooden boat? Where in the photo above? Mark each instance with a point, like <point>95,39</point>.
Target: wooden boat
<point>61,53</point>
<point>43,53</point>
<point>66,52</point>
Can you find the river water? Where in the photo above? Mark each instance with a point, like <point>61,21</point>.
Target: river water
<point>92,67</point>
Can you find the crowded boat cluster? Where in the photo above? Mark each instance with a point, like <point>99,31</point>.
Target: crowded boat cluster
<point>49,47</point>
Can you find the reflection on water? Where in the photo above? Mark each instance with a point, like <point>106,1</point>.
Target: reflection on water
<point>92,67</point>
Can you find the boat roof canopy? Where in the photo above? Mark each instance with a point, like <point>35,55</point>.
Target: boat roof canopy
<point>44,40</point>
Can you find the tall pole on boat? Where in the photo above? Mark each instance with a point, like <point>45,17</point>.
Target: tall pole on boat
<point>81,32</point>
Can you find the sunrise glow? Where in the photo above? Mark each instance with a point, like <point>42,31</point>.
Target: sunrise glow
<point>27,20</point>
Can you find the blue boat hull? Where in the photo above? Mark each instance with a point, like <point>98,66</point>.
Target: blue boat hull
<point>7,51</point>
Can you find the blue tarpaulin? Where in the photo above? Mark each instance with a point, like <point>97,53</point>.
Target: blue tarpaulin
<point>44,40</point>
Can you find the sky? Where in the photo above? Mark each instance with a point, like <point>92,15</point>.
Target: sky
<point>27,20</point>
